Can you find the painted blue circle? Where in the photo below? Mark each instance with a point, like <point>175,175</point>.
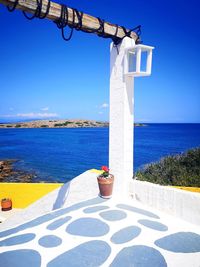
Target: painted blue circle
<point>58,223</point>
<point>20,258</point>
<point>90,227</point>
<point>139,256</point>
<point>90,254</point>
<point>113,215</point>
<point>181,242</point>
<point>153,225</point>
<point>125,235</point>
<point>50,241</point>
<point>95,209</point>
<point>18,239</point>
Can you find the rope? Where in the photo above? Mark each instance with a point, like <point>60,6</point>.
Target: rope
<point>38,11</point>
<point>138,31</point>
<point>62,22</point>
<point>12,8</point>
<point>77,22</point>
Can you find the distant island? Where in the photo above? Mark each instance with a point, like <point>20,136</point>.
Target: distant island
<point>59,124</point>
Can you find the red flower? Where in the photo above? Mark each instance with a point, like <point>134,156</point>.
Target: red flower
<point>105,168</point>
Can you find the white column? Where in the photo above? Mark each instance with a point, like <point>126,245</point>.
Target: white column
<point>121,120</point>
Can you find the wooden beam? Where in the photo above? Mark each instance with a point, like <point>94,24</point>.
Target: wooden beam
<point>88,22</point>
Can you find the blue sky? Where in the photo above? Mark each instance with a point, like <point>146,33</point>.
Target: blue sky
<point>43,76</point>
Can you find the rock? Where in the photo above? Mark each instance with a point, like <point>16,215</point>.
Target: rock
<point>9,174</point>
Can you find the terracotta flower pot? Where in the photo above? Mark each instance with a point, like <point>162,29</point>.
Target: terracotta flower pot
<point>6,204</point>
<point>105,186</point>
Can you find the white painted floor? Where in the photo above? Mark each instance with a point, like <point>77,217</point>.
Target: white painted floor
<point>98,232</point>
<point>4,215</point>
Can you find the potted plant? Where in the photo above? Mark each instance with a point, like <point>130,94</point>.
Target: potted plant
<point>6,204</point>
<point>105,182</point>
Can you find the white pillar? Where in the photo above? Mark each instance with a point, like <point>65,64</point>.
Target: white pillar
<point>121,120</point>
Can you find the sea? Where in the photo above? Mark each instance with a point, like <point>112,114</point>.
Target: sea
<point>59,155</point>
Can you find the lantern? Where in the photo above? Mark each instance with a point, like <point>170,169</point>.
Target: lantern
<point>138,61</point>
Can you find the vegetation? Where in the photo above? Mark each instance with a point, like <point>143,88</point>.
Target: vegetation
<point>179,170</point>
<point>9,126</point>
<point>44,126</point>
<point>67,122</point>
<point>18,126</point>
<point>62,124</point>
<point>58,124</point>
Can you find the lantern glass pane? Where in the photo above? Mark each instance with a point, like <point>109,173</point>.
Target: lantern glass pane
<point>143,67</point>
<point>132,62</point>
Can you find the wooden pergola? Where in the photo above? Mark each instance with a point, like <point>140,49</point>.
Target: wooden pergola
<point>88,22</point>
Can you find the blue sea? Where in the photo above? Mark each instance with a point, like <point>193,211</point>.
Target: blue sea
<point>58,155</point>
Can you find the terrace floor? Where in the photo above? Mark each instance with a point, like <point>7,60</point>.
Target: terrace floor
<point>99,232</point>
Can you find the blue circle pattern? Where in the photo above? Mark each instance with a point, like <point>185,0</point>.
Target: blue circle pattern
<point>125,235</point>
<point>113,215</point>
<point>153,225</point>
<point>94,253</point>
<point>20,258</point>
<point>18,239</point>
<point>139,256</point>
<point>50,241</point>
<point>89,227</point>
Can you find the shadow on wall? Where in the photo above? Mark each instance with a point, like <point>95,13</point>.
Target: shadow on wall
<point>62,196</point>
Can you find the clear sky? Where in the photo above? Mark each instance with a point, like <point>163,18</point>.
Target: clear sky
<point>43,76</point>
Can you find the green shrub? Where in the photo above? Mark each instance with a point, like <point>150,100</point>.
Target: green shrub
<point>67,122</point>
<point>58,124</point>
<point>18,126</point>
<point>179,170</point>
<point>44,126</point>
<point>9,126</point>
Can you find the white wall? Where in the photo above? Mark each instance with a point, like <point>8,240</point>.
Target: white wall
<point>78,189</point>
<point>176,202</point>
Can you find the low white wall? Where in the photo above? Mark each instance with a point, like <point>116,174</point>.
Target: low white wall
<point>78,189</point>
<point>176,202</point>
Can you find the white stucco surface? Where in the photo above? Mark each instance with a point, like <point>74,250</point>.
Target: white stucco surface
<point>83,228</point>
<point>81,187</point>
<point>98,232</point>
<point>121,118</point>
<point>176,202</point>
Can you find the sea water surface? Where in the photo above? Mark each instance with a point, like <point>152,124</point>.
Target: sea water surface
<point>58,155</point>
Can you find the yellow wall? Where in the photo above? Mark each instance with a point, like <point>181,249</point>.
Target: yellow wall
<point>191,189</point>
<point>24,194</point>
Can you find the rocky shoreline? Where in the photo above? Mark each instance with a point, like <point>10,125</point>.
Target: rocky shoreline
<point>9,174</point>
<point>60,124</point>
